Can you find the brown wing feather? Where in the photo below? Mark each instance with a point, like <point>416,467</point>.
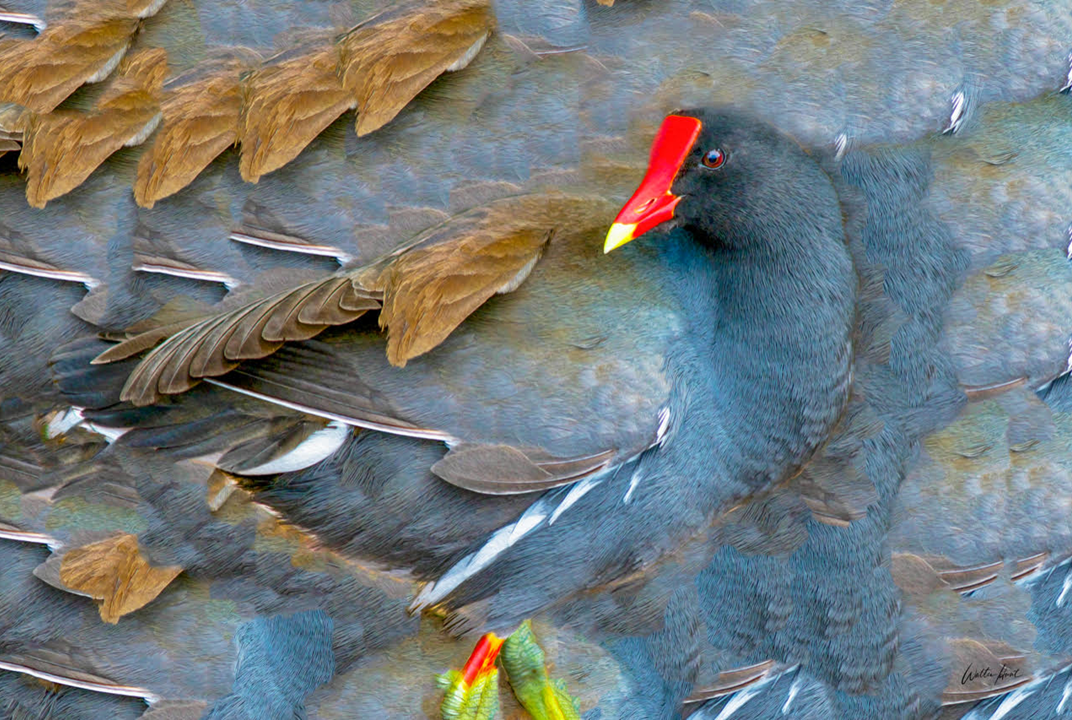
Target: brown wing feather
<point>210,359</point>
<point>427,288</point>
<point>508,470</point>
<point>41,73</point>
<point>247,341</point>
<point>200,122</point>
<point>284,323</point>
<point>175,375</point>
<point>141,342</point>
<point>286,105</point>
<point>732,680</point>
<point>61,149</point>
<point>214,346</point>
<point>388,60</point>
<point>141,386</point>
<point>67,665</point>
<point>331,303</point>
<point>117,573</point>
<point>438,280</point>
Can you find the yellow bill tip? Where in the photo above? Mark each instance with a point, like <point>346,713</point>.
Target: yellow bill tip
<point>618,235</point>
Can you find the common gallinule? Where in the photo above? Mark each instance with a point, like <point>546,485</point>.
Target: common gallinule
<point>644,416</point>
<point>656,387</point>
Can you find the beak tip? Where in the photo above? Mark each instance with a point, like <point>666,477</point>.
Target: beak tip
<point>618,235</point>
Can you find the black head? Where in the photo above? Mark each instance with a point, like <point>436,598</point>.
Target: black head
<point>732,180</point>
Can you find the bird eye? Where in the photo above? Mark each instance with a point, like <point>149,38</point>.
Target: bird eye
<point>714,158</point>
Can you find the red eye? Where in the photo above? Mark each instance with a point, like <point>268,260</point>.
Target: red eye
<point>714,158</point>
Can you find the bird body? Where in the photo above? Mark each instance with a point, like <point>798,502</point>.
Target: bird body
<point>700,371</point>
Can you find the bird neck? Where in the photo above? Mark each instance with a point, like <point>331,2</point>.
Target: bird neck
<point>779,339</point>
<point>782,266</point>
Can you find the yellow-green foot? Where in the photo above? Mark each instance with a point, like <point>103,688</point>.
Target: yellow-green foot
<point>544,698</point>
<point>473,693</point>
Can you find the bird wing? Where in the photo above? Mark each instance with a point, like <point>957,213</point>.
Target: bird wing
<point>542,387</point>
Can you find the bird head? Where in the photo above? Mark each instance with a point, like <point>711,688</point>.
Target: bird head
<point>726,176</point>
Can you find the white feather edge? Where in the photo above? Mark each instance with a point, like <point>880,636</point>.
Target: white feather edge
<point>20,18</point>
<point>469,55</point>
<point>423,433</point>
<point>139,137</point>
<point>151,9</point>
<point>64,275</point>
<point>738,699</point>
<point>508,535</point>
<point>205,275</point>
<point>958,104</point>
<point>29,537</point>
<point>576,491</point>
<point>498,543</point>
<point>106,69</point>
<point>316,448</point>
<point>124,690</point>
<point>63,422</point>
<point>1065,695</point>
<point>1009,701</point>
<point>292,247</point>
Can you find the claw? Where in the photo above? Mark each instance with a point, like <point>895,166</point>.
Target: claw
<point>544,698</point>
<point>473,693</point>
